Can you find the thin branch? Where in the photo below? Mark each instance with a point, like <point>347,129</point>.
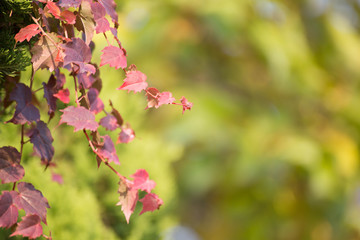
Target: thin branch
<point>102,159</point>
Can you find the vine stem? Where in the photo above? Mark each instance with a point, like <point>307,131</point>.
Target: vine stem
<point>45,34</point>
<point>102,159</point>
<point>76,87</point>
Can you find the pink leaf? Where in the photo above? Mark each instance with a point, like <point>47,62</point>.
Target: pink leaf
<point>79,117</point>
<point>152,95</point>
<point>30,227</point>
<point>31,200</point>
<point>126,135</point>
<point>127,199</point>
<point>96,104</point>
<point>63,95</point>
<point>102,25</point>
<point>110,6</point>
<point>142,181</point>
<point>186,104</point>
<point>25,111</point>
<point>53,9</point>
<point>8,210</point>
<point>69,3</point>
<point>40,137</point>
<point>150,202</point>
<point>113,56</point>
<point>10,168</point>
<point>165,98</point>
<point>85,80</point>
<point>27,32</point>
<point>108,151</point>
<point>134,81</point>
<point>57,178</point>
<point>109,122</point>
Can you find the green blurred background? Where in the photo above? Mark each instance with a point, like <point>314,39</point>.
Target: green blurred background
<point>270,149</point>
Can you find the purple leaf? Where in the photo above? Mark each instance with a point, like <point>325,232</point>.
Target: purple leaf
<point>98,10</point>
<point>108,151</point>
<point>40,137</point>
<point>25,111</point>
<point>10,168</point>
<point>96,104</point>
<point>110,6</point>
<point>109,122</point>
<point>85,80</point>
<point>30,227</point>
<point>69,3</point>
<point>31,200</point>
<point>49,91</point>
<point>8,211</point>
<point>78,53</point>
<point>79,117</point>
<point>126,135</point>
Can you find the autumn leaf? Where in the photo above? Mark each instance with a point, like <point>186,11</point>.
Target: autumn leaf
<point>108,150</point>
<point>126,135</point>
<point>109,122</point>
<point>113,56</point>
<point>27,33</point>
<point>45,51</point>
<point>134,81</point>
<point>31,200</point>
<point>40,137</point>
<point>186,104</point>
<point>79,117</point>
<point>150,202</point>
<point>8,211</point>
<point>96,104</point>
<point>128,198</point>
<point>25,111</point>
<point>142,181</point>
<point>63,95</point>
<point>10,168</point>
<point>30,227</point>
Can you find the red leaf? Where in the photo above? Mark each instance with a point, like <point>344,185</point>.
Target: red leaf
<point>45,52</point>
<point>142,181</point>
<point>40,137</point>
<point>186,104</point>
<point>113,56</point>
<point>27,32</point>
<point>25,111</point>
<point>63,95</point>
<point>127,199</point>
<point>134,81</point>
<point>150,202</point>
<point>109,122</point>
<point>126,135</point>
<point>79,117</point>
<point>53,9</point>
<point>68,16</point>
<point>152,95</point>
<point>10,168</point>
<point>96,104</point>
<point>8,211</point>
<point>30,227</point>
<point>108,151</point>
<point>31,200</point>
